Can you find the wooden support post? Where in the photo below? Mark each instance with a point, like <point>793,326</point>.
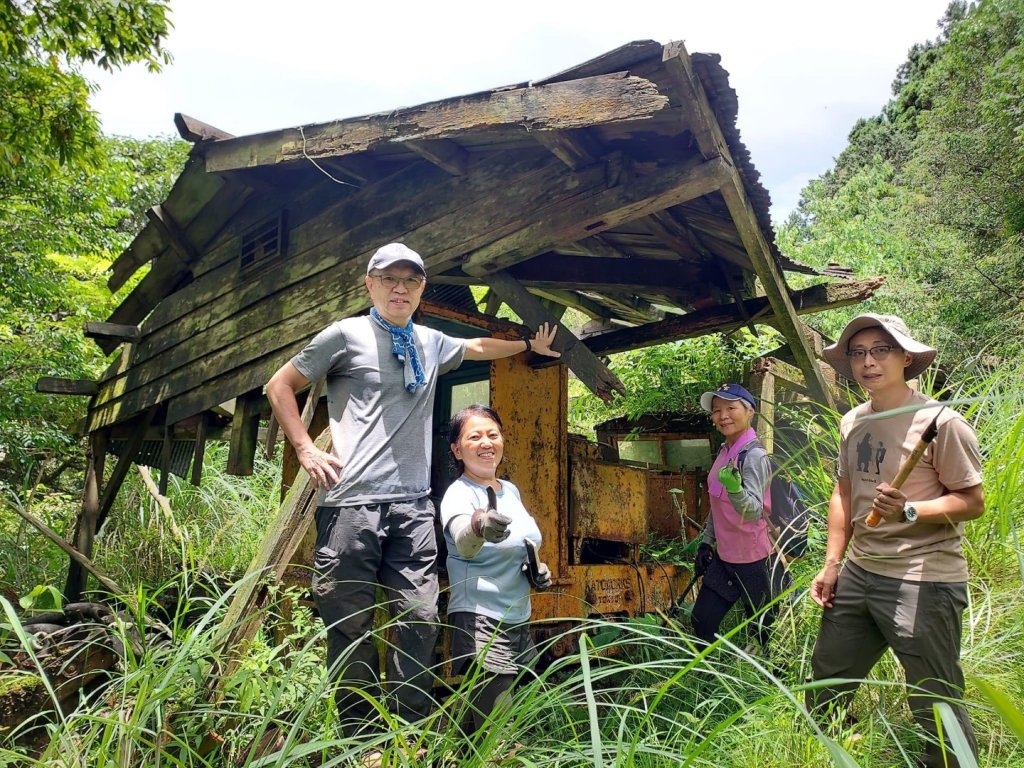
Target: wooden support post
<point>493,303</point>
<point>124,463</point>
<point>200,450</point>
<point>762,386</point>
<point>165,459</point>
<point>88,516</point>
<point>590,370</point>
<point>245,429</point>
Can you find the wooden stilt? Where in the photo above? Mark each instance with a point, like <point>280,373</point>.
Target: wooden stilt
<point>88,517</point>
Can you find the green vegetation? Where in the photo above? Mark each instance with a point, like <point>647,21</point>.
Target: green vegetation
<point>928,193</point>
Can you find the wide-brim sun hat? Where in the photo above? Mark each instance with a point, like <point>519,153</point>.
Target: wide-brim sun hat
<point>727,392</point>
<point>921,354</point>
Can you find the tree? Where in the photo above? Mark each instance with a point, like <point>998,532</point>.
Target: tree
<point>45,118</point>
<point>58,234</point>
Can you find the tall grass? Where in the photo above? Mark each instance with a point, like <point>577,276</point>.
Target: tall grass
<point>657,701</point>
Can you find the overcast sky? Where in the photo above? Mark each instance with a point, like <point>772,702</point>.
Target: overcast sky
<point>804,70</point>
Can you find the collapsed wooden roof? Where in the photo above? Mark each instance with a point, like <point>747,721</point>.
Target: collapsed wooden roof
<point>619,187</point>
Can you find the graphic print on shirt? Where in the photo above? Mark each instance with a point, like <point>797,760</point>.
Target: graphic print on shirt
<point>864,451</point>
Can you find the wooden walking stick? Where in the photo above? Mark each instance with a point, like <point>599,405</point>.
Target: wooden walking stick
<point>908,466</point>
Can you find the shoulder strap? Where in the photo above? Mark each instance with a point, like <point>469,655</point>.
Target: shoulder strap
<point>742,455</point>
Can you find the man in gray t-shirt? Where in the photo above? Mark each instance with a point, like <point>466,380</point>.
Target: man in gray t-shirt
<point>375,522</point>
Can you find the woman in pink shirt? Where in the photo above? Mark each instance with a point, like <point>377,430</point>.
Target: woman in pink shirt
<point>734,556</point>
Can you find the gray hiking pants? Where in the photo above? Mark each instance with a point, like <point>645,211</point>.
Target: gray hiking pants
<point>920,621</point>
<point>358,548</point>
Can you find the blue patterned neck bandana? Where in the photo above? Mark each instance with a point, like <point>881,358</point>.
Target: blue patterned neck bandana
<point>403,346</point>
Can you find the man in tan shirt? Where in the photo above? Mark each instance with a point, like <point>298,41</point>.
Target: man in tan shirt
<point>904,583</point>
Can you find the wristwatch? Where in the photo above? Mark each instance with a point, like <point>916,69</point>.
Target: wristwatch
<point>909,513</point>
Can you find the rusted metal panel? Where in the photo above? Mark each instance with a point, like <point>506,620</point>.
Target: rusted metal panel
<point>608,501</point>
<point>533,404</point>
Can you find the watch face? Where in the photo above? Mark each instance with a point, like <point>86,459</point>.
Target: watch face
<point>910,513</point>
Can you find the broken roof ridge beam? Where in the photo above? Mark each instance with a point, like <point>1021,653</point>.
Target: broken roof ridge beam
<point>725,318</point>
<point>575,355</point>
<point>590,101</point>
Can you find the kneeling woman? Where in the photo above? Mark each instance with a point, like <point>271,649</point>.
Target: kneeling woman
<point>486,528</point>
<point>734,557</point>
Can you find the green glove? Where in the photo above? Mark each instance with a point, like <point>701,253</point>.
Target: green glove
<point>729,477</point>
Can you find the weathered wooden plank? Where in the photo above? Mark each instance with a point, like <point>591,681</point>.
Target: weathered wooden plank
<point>245,427</point>
<point>305,310</point>
<point>725,318</point>
<point>675,236</point>
<point>50,385</point>
<point>113,331</point>
<point>195,131</point>
<point>560,106</point>
<point>244,612</point>
<point>581,216</point>
<point>580,360</point>
<point>445,154</point>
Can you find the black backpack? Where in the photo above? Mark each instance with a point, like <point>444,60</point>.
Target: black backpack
<point>790,514</point>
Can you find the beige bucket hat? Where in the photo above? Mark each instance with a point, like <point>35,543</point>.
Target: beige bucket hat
<point>922,355</point>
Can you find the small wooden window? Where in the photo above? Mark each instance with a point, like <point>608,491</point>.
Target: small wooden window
<point>263,243</point>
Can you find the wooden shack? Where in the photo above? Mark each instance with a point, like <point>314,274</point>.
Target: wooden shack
<point>619,187</point>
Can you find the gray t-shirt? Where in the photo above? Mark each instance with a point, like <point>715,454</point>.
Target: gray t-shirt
<point>381,432</point>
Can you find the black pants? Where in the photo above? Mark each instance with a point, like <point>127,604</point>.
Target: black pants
<point>724,584</point>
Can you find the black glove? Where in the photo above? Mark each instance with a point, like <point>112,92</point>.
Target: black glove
<point>702,560</point>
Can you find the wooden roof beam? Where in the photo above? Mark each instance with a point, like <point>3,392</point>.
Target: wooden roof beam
<point>725,318</point>
<point>444,153</point>
<point>574,148</point>
<point>590,308</point>
<point>49,385</point>
<point>117,332</point>
<point>560,106</point>
<point>712,144</point>
<point>173,235</point>
<point>583,215</point>
<point>580,360</point>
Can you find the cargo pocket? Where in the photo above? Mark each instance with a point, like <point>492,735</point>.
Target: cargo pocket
<point>325,563</point>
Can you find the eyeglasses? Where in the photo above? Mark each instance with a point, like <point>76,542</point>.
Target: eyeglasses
<point>879,353</point>
<point>411,283</point>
